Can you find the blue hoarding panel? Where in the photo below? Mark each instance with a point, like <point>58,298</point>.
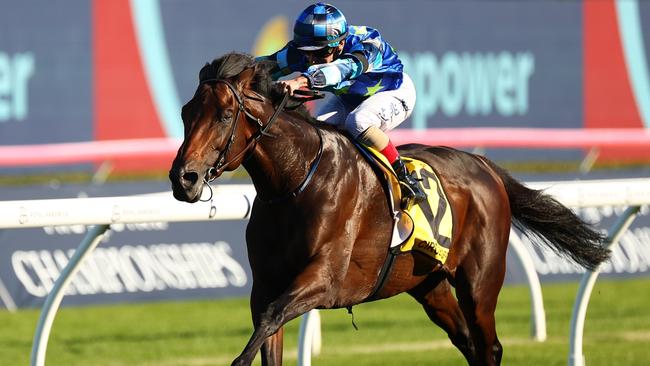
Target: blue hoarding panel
<point>45,72</point>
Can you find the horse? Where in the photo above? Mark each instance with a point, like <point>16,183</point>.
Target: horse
<point>320,224</point>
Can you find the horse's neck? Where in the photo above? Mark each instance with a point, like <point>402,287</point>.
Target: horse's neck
<point>280,163</point>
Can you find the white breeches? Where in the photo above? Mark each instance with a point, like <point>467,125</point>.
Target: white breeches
<point>385,110</point>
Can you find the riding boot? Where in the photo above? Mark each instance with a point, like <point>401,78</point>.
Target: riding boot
<point>412,192</point>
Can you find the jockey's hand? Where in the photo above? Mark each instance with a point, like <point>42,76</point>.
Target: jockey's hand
<point>292,85</point>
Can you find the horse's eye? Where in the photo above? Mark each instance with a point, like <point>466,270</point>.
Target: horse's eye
<point>226,117</point>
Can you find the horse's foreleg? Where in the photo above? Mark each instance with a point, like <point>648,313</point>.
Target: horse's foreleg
<point>442,308</point>
<point>305,293</point>
<point>271,353</point>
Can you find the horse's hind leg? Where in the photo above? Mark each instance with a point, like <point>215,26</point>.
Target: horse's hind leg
<point>478,281</point>
<point>441,306</point>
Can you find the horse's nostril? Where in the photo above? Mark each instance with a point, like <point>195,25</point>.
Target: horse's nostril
<point>189,179</point>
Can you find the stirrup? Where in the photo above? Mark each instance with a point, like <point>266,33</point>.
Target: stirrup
<point>410,195</point>
<point>410,188</point>
<point>407,196</point>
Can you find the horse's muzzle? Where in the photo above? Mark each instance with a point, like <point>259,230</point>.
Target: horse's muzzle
<point>187,184</point>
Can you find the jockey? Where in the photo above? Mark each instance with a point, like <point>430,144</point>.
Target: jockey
<point>371,92</point>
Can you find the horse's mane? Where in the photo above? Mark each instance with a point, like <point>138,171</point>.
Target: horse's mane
<point>231,64</point>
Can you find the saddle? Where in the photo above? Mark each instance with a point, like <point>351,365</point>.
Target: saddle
<point>426,227</point>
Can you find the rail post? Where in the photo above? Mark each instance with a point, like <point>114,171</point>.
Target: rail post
<point>576,358</point>
<point>53,300</point>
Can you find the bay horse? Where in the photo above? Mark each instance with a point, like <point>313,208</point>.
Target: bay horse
<point>320,225</point>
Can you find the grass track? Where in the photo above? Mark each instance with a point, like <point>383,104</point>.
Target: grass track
<point>391,332</point>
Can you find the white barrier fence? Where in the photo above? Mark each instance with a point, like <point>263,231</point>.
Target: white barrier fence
<point>632,193</point>
<point>234,202</point>
<point>228,202</point>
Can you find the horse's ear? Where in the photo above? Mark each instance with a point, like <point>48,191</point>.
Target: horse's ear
<point>203,74</point>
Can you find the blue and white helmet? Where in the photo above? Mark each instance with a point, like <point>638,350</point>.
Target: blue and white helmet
<point>320,25</point>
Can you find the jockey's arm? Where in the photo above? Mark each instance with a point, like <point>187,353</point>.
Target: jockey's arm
<point>362,57</point>
<point>347,67</point>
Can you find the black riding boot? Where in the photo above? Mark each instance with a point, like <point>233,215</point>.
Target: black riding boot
<point>412,192</point>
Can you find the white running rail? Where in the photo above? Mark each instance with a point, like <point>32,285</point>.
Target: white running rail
<point>229,202</point>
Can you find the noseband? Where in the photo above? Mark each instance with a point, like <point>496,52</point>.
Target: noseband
<point>219,165</point>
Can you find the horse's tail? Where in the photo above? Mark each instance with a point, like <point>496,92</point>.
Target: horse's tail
<point>539,215</point>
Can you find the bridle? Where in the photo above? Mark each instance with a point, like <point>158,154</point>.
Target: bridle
<point>219,165</point>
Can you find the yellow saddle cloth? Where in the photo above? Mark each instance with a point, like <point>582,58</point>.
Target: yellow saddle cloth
<point>426,227</point>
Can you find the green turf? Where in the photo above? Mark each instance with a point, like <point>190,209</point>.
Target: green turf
<point>391,332</point>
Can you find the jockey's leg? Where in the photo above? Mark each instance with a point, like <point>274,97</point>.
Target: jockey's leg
<point>382,112</point>
<point>333,112</point>
<point>411,189</point>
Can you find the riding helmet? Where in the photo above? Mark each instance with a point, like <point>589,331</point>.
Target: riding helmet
<point>320,25</point>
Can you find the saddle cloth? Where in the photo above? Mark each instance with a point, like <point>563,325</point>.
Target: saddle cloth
<point>427,227</point>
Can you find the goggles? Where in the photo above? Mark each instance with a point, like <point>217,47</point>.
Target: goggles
<point>321,53</point>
